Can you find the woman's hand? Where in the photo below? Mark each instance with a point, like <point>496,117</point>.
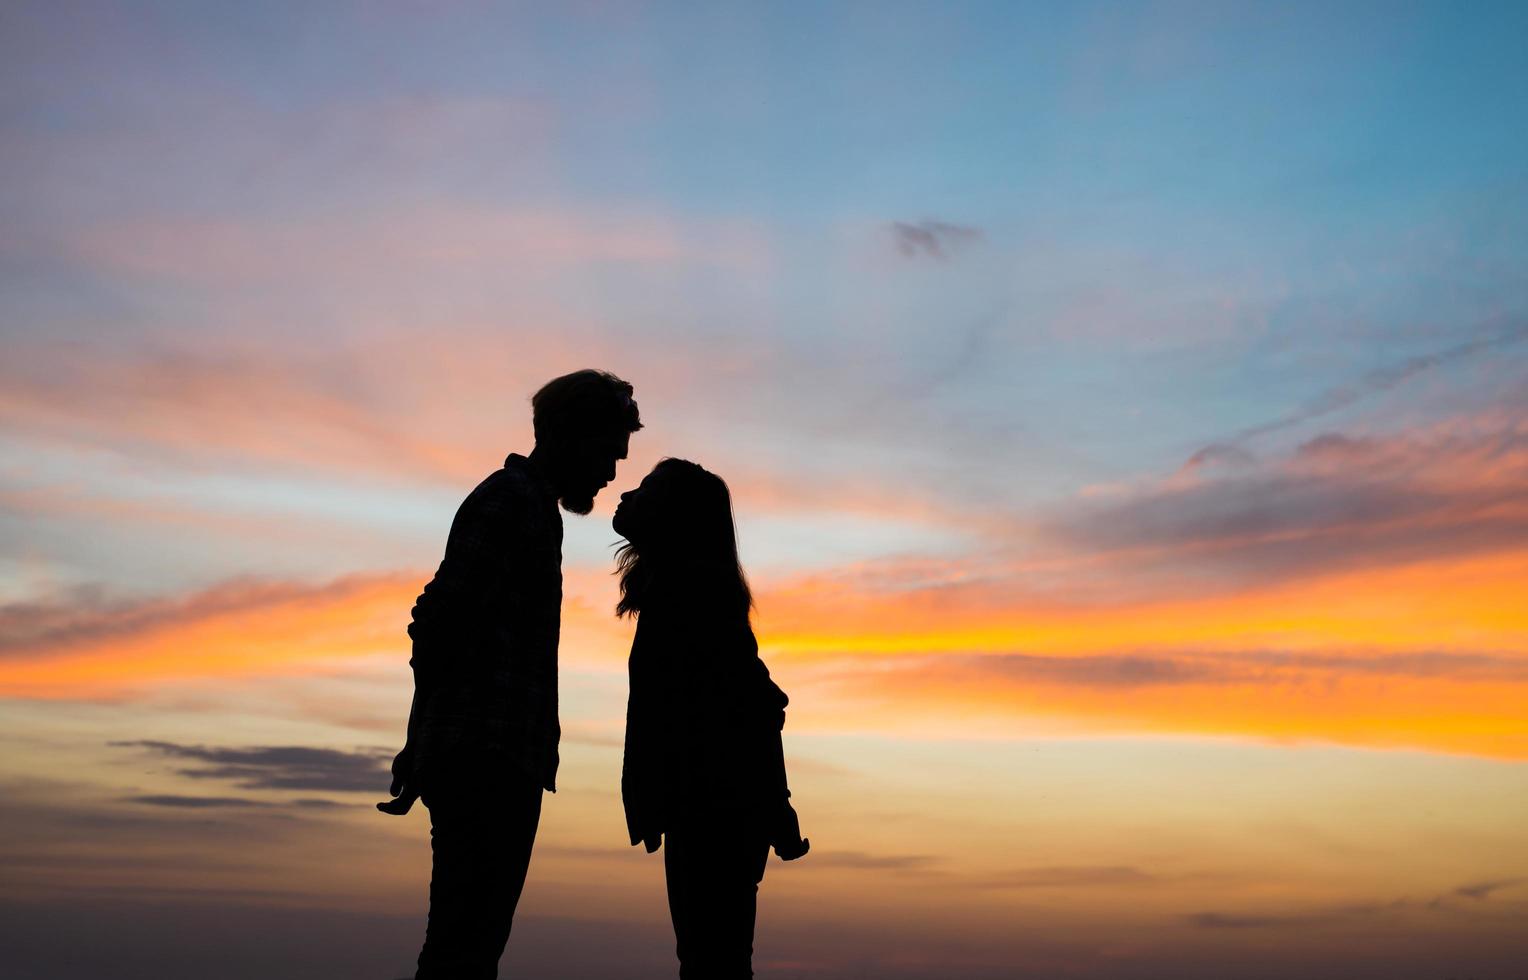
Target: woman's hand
<point>789,844</point>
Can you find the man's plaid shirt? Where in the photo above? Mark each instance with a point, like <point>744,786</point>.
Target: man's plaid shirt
<point>485,629</point>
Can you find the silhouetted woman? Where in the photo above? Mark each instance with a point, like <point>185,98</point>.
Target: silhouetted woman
<point>704,773</point>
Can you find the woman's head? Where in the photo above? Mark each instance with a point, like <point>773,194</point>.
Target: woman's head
<point>677,523</point>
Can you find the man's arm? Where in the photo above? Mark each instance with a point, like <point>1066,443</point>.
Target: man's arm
<point>446,615</point>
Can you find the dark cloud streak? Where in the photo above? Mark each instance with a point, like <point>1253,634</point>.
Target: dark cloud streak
<point>862,861</point>
<point>281,767</point>
<point>1336,503</point>
<point>195,802</point>
<point>1482,890</point>
<point>1130,671</point>
<point>933,239</point>
<point>1070,876</point>
<point>1299,920</point>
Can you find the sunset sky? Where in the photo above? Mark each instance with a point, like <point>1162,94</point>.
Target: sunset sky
<point>1125,405</point>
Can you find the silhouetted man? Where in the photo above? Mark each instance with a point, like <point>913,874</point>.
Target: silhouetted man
<point>483,730</point>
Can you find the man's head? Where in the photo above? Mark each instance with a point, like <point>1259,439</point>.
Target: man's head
<point>583,421</point>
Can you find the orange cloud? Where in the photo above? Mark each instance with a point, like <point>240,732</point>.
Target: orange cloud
<point>1459,703</point>
<point>1467,604</point>
<point>1430,655</point>
<point>96,649</point>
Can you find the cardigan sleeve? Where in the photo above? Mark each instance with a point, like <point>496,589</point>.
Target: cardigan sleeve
<point>741,711</point>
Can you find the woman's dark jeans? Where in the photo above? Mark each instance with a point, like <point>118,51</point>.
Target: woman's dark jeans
<point>713,870</point>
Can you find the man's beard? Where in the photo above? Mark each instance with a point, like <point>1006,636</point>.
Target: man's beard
<point>577,503</point>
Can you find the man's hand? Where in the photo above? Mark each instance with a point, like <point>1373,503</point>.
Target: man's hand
<point>789,844</point>
<point>403,791</point>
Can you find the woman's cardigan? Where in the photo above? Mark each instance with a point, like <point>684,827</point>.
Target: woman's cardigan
<point>703,720</point>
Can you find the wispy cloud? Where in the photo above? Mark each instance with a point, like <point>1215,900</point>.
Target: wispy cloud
<point>1142,673</point>
<point>279,767</point>
<point>195,802</point>
<point>1073,876</point>
<point>933,239</point>
<point>1382,379</point>
<point>1223,920</point>
<point>175,802</point>
<point>1219,453</point>
<point>1482,890</point>
<point>1338,502</point>
<point>1297,919</point>
<point>863,861</point>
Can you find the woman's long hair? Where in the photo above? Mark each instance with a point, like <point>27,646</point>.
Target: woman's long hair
<point>689,542</point>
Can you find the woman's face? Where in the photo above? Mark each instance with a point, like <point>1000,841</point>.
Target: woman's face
<point>634,514</point>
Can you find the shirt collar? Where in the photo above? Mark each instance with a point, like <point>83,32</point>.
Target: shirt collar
<point>537,475</point>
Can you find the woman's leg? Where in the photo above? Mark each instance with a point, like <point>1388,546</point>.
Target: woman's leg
<point>713,884</point>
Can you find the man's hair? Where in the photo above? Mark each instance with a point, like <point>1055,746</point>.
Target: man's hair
<point>584,403</point>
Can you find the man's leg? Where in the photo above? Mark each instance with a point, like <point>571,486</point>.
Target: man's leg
<point>481,836</point>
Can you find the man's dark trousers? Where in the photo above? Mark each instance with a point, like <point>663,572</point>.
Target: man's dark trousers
<point>482,828</point>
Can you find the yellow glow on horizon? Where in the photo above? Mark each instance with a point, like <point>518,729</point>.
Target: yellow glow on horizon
<point>1472,605</point>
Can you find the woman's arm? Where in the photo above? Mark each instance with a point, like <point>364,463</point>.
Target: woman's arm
<point>785,833</point>
<point>785,830</point>
<point>642,762</point>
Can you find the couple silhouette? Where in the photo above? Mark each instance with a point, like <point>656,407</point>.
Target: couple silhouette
<point>704,769</point>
